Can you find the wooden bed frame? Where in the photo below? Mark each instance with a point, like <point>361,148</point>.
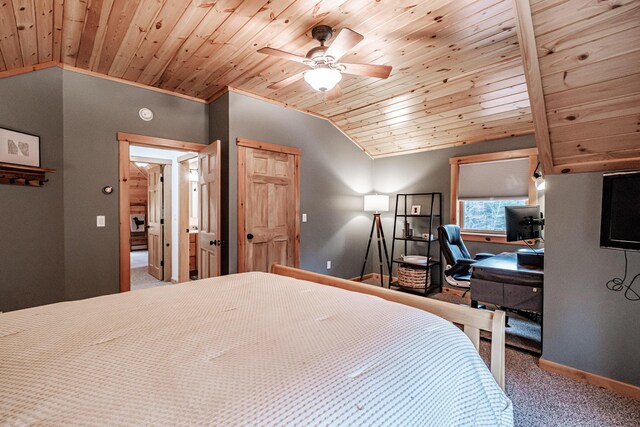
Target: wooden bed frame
<point>473,320</point>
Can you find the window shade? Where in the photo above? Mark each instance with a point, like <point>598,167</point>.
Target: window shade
<point>502,179</point>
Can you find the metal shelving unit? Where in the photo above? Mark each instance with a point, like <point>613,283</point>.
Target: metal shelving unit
<point>434,219</point>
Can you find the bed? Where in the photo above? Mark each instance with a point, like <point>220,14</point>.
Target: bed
<point>248,349</point>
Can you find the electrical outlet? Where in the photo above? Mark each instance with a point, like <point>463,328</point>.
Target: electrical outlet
<point>304,217</point>
<point>328,265</point>
<point>100,222</point>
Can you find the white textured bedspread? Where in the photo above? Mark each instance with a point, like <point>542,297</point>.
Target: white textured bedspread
<point>246,349</point>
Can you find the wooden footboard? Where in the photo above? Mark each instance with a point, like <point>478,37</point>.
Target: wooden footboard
<point>473,320</point>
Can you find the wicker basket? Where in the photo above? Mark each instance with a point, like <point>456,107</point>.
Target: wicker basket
<point>413,277</point>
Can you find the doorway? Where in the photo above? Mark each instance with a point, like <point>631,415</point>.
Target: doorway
<point>164,212</point>
<point>268,205</point>
<point>149,205</point>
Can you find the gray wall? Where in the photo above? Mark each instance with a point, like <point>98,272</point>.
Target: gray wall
<point>334,175</point>
<point>31,234</point>
<point>586,325</point>
<point>95,110</point>
<point>51,249</point>
<point>430,171</point>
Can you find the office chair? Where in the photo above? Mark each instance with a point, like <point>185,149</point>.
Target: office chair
<point>459,261</point>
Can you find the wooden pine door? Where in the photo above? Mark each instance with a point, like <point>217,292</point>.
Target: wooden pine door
<point>209,211</point>
<point>154,221</point>
<point>268,192</point>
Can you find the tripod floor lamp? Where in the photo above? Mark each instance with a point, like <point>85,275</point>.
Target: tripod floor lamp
<point>376,203</point>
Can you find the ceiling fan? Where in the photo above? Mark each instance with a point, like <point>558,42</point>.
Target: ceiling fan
<point>326,70</point>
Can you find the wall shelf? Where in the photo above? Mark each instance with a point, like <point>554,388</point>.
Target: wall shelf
<point>23,175</point>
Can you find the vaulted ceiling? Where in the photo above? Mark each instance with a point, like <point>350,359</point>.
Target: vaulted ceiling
<point>457,74</point>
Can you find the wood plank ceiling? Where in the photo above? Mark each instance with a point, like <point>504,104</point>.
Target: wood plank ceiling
<point>589,62</point>
<point>457,71</point>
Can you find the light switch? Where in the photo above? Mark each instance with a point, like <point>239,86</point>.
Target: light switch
<point>100,222</point>
<point>304,217</point>
<point>328,265</point>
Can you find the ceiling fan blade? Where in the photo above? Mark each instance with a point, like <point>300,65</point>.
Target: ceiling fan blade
<point>344,42</point>
<point>282,54</point>
<point>286,82</point>
<point>369,70</point>
<point>334,93</point>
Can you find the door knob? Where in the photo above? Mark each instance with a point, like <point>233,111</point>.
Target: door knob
<point>212,242</point>
<point>249,236</point>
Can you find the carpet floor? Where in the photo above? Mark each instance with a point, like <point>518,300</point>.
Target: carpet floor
<point>544,399</point>
<point>541,398</point>
<point>140,277</point>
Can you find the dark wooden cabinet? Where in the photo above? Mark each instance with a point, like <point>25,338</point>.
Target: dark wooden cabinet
<point>193,253</point>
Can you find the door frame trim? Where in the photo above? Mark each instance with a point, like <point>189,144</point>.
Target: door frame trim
<point>243,142</point>
<point>125,140</point>
<point>183,220</point>
<point>267,146</point>
<point>183,217</point>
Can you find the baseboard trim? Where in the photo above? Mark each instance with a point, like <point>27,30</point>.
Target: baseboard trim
<point>624,389</point>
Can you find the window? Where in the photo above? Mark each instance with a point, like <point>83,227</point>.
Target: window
<point>485,215</point>
<point>482,185</point>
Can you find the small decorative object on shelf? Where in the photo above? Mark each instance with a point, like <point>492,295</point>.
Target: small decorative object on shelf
<point>414,270</point>
<point>23,175</point>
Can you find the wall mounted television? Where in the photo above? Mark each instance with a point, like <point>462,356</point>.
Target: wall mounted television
<point>620,226</point>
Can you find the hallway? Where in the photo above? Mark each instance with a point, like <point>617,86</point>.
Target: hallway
<point>140,278</point>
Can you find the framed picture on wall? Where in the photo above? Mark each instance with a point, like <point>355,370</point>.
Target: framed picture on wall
<point>19,148</point>
<point>137,223</point>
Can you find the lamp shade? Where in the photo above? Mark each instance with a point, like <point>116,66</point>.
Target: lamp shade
<point>322,79</point>
<point>376,203</point>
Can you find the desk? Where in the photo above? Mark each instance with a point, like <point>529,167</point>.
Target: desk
<point>500,280</point>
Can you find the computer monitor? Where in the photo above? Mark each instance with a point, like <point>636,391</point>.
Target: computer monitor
<point>523,222</point>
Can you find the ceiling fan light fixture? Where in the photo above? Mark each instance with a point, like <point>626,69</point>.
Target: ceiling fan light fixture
<point>323,79</point>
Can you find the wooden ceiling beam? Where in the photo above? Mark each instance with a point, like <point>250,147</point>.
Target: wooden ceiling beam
<point>529,51</point>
